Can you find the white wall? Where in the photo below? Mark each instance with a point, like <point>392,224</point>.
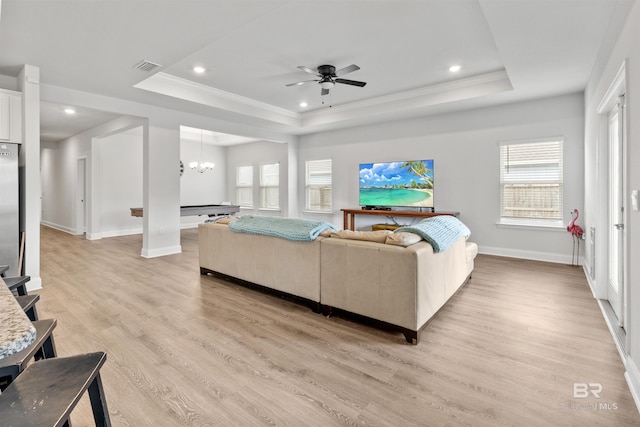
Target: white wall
<point>58,176</point>
<point>626,48</point>
<point>205,188</point>
<point>120,186</point>
<point>59,163</point>
<point>256,154</point>
<point>464,147</point>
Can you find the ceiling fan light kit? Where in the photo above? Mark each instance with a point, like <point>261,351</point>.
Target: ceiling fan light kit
<point>328,84</point>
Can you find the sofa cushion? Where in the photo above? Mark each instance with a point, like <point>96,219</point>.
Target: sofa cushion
<point>403,239</point>
<point>328,232</point>
<point>378,236</point>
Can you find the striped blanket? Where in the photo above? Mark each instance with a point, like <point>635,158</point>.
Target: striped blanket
<point>286,228</point>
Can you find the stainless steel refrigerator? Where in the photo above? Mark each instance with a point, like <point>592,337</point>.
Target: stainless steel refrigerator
<point>9,208</point>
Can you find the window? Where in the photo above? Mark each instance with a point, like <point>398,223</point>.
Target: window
<point>244,186</point>
<point>531,182</point>
<point>270,186</point>
<point>318,185</point>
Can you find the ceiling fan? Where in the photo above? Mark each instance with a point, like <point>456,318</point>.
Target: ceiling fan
<point>328,76</point>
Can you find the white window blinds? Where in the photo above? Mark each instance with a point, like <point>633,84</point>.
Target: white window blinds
<point>531,182</point>
<point>318,185</point>
<point>244,186</point>
<point>270,186</point>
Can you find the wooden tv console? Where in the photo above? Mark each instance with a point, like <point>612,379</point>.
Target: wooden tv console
<point>349,215</point>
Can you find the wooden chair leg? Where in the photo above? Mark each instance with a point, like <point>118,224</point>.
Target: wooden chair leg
<point>99,403</point>
<point>32,314</point>
<point>47,350</point>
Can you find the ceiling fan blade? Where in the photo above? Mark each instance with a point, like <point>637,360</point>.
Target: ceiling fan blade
<point>309,70</point>
<point>301,83</point>
<point>351,68</point>
<point>324,92</point>
<point>350,82</point>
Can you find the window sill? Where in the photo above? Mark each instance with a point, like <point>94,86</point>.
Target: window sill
<point>524,225</point>
<point>319,212</point>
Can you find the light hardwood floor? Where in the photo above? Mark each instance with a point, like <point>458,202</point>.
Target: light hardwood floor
<point>185,349</point>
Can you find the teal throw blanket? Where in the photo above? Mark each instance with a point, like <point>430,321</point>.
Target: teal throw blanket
<point>286,228</point>
<point>441,231</point>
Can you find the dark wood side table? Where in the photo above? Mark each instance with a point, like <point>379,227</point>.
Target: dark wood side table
<point>349,215</point>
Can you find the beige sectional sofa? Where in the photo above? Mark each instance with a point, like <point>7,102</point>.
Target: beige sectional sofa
<point>397,286</point>
<point>282,265</point>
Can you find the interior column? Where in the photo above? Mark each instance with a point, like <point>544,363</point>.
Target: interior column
<point>30,205</point>
<point>161,191</point>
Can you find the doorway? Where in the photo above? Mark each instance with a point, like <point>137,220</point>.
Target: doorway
<point>614,286</point>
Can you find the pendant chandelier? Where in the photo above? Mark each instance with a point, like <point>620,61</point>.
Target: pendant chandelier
<point>201,166</point>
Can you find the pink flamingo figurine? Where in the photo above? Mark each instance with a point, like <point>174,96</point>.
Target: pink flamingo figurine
<point>576,233</point>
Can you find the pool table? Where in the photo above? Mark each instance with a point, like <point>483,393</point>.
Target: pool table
<point>209,210</point>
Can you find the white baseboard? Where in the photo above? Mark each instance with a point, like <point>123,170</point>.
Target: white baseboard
<point>610,326</point>
<point>153,253</point>
<point>632,375</point>
<point>592,284</point>
<point>113,233</point>
<point>532,255</point>
<point>58,227</point>
<point>94,236</point>
<point>116,233</point>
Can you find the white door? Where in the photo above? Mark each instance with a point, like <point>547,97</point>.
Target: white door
<point>615,290</point>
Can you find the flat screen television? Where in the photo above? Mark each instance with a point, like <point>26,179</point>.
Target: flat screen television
<point>397,184</point>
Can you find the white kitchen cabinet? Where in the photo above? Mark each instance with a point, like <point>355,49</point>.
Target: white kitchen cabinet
<point>10,116</point>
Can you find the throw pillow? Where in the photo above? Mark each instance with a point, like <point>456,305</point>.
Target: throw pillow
<point>403,238</point>
<point>225,220</point>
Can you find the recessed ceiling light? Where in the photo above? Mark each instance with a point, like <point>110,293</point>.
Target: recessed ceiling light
<point>303,104</point>
<point>69,111</point>
<point>454,68</point>
<point>198,69</point>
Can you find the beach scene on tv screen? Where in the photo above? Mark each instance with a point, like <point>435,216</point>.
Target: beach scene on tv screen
<point>407,183</point>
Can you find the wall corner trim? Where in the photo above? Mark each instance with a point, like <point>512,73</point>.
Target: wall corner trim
<point>34,284</point>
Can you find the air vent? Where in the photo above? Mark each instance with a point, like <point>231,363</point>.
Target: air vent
<point>147,66</point>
